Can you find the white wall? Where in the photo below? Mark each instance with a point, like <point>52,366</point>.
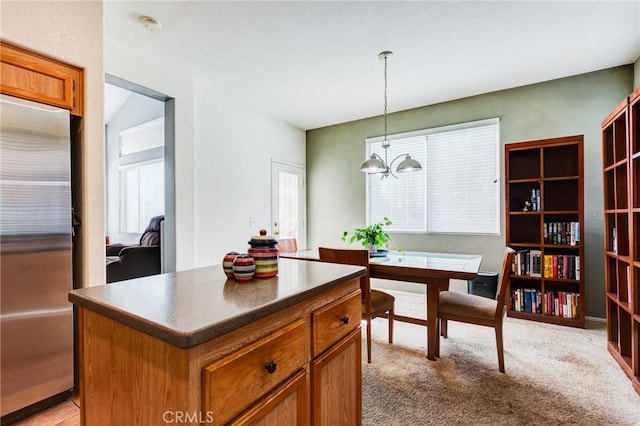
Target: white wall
<point>123,63</point>
<point>234,149</point>
<point>71,31</point>
<point>223,159</point>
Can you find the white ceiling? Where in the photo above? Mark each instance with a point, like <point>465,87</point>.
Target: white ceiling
<point>315,63</point>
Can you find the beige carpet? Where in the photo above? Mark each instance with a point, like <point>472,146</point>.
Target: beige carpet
<point>554,376</point>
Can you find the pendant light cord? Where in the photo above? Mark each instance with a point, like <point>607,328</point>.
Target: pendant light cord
<point>385,98</point>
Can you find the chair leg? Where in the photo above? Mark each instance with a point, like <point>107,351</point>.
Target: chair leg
<point>443,328</point>
<point>499,344</point>
<point>438,337</point>
<point>369,340</point>
<point>390,319</point>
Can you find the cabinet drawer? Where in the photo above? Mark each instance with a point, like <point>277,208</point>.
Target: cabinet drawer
<point>233,383</point>
<point>334,321</point>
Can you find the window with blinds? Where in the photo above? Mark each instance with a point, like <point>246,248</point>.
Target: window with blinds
<point>142,192</point>
<point>457,190</point>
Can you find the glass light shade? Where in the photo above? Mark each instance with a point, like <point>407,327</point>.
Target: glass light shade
<point>408,165</point>
<point>373,165</point>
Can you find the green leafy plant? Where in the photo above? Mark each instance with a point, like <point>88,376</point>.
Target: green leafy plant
<point>372,234</point>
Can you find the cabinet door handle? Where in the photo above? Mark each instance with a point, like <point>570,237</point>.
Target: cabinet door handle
<point>271,367</point>
<point>344,319</point>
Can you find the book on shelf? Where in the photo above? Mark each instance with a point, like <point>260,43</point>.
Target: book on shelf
<point>561,266</point>
<point>535,260</point>
<point>629,281</point>
<point>527,262</point>
<point>561,233</point>
<point>520,262</point>
<point>535,199</point>
<point>562,304</point>
<point>527,300</point>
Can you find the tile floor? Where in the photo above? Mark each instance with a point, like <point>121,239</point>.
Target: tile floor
<point>66,413</point>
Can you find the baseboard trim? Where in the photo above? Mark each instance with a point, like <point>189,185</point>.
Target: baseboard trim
<point>596,319</point>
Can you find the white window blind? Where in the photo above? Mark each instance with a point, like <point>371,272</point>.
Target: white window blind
<point>456,192</point>
<point>402,199</point>
<point>142,189</point>
<point>462,176</point>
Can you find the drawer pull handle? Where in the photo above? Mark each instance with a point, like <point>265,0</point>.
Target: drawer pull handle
<point>271,367</point>
<point>344,320</point>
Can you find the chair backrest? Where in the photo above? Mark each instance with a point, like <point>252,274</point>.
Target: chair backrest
<point>151,235</point>
<point>288,245</point>
<point>503,281</point>
<point>350,257</point>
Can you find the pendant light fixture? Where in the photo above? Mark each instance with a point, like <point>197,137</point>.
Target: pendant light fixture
<point>375,164</point>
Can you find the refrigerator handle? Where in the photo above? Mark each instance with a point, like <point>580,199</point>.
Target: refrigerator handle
<point>75,221</point>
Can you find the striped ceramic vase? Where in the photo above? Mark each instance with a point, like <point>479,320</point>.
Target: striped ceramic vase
<point>227,263</point>
<point>266,261</point>
<point>244,267</point>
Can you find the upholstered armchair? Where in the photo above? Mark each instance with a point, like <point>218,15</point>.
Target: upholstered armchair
<point>139,260</point>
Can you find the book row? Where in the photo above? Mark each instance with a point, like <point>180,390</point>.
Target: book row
<point>562,233</point>
<point>554,303</point>
<point>535,200</point>
<point>536,265</point>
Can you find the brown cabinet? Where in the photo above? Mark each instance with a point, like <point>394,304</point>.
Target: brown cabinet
<point>334,321</point>
<point>249,373</point>
<point>338,363</point>
<point>287,405</point>
<point>264,373</point>
<point>621,177</point>
<point>545,225</point>
<point>28,75</point>
<point>336,380</point>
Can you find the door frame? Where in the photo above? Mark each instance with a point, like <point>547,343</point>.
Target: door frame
<point>169,224</point>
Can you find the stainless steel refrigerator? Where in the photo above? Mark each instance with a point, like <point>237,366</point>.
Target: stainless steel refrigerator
<point>36,319</point>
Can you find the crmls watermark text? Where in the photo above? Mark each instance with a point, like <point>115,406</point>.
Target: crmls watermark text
<point>177,417</point>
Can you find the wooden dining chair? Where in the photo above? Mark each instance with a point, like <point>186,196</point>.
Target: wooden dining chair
<point>288,245</point>
<point>375,303</point>
<point>479,310</point>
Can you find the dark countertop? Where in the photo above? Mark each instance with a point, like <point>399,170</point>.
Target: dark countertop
<point>191,307</point>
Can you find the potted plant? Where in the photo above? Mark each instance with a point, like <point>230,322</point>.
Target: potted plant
<point>373,237</point>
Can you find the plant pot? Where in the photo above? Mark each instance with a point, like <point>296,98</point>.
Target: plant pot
<point>372,248</point>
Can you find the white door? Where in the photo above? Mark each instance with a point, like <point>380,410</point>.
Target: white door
<point>288,202</point>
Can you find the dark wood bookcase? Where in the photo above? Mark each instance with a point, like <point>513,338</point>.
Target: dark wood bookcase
<point>545,225</point>
<point>621,174</point>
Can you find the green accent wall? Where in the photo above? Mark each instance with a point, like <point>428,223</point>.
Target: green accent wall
<point>569,106</point>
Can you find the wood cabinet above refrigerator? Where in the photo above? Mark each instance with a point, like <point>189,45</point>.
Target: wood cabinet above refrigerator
<point>31,76</point>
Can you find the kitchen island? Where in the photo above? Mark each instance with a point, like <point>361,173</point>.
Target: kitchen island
<point>194,347</point>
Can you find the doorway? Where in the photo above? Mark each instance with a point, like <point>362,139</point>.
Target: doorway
<point>140,164</point>
<point>288,202</point>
